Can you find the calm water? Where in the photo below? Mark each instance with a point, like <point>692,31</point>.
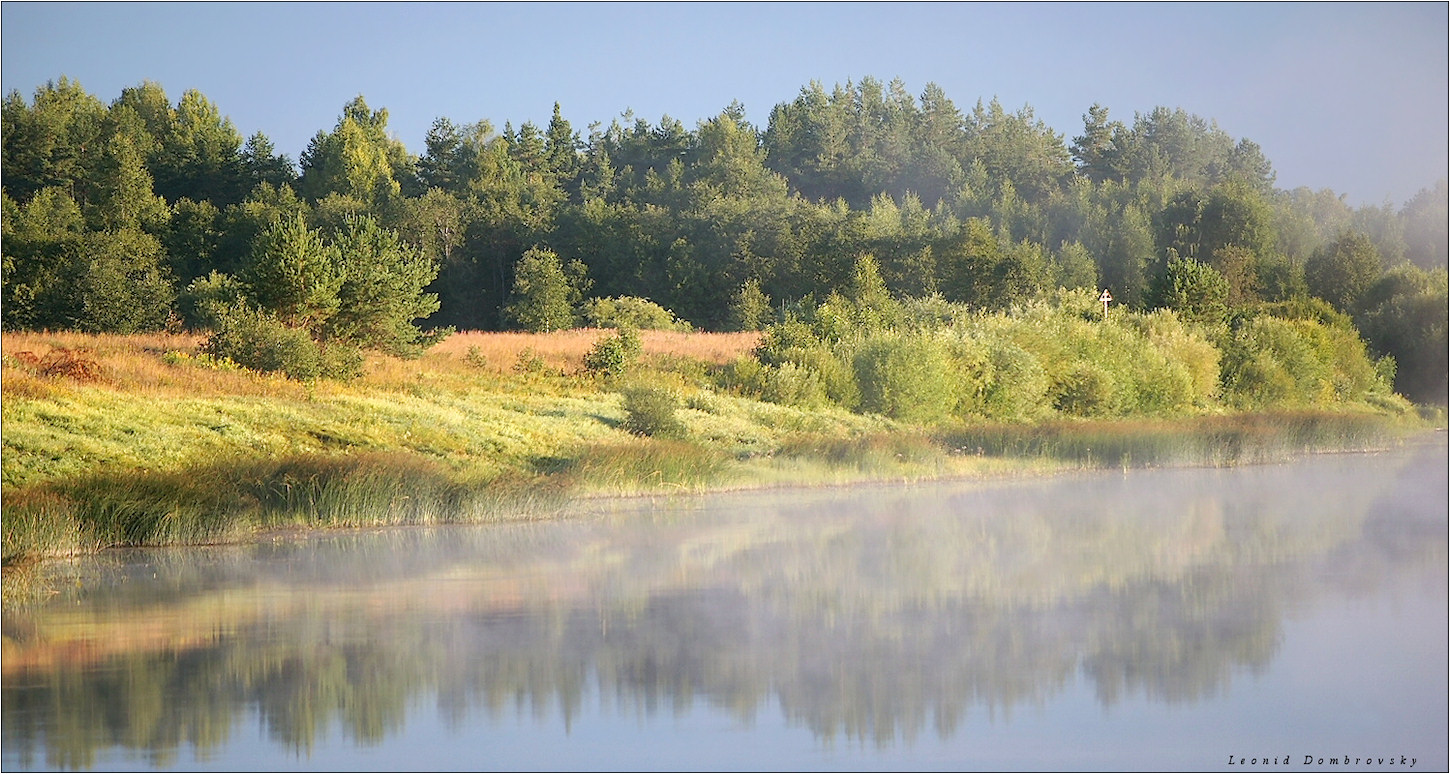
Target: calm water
<point>1175,619</point>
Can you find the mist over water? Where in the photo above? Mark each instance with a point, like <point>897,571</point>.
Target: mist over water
<point>1140,620</point>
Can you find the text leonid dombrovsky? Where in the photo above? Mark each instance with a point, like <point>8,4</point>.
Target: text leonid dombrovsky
<point>1322,760</point>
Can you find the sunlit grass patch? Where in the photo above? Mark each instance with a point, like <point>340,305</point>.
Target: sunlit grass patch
<point>638,466</point>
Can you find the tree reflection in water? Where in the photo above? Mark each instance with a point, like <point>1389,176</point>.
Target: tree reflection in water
<point>872,614</point>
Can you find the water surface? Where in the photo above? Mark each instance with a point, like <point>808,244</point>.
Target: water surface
<point>1169,619</point>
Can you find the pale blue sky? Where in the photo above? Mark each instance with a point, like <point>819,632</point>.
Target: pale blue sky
<point>1345,96</point>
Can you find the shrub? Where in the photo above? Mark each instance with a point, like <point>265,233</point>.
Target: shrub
<point>258,341</point>
<point>1197,291</point>
<point>789,384</point>
<point>528,361</point>
<point>207,298</point>
<point>1019,384</point>
<point>1271,363</point>
<point>544,292</point>
<point>631,312</point>
<point>905,378</point>
<point>783,337</point>
<point>1087,390</point>
<point>650,411</point>
<point>614,355</point>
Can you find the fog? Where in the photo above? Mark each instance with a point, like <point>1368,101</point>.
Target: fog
<point>896,618</point>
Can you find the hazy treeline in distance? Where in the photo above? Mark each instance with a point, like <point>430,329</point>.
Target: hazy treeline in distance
<point>855,210</point>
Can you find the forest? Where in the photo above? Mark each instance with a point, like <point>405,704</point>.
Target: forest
<point>858,213</point>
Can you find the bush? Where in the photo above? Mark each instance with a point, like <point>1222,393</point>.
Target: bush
<point>528,361</point>
<point>905,378</point>
<point>1270,362</point>
<point>789,384</point>
<point>631,312</point>
<point>207,298</point>
<point>650,411</point>
<point>613,356</point>
<point>260,342</point>
<point>1019,384</point>
<point>1087,390</point>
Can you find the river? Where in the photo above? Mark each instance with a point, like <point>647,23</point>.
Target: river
<point>1276,617</point>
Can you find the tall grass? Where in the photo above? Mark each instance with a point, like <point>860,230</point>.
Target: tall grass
<point>224,501</point>
<point>1209,440</point>
<point>635,467</point>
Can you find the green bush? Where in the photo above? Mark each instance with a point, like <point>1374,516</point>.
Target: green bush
<point>207,298</point>
<point>614,355</point>
<point>750,309</point>
<point>261,342</point>
<point>650,411</point>
<point>631,312</point>
<point>1087,390</point>
<point>785,384</point>
<point>789,384</point>
<point>905,378</point>
<point>1270,362</point>
<point>1019,384</point>
<point>528,361</point>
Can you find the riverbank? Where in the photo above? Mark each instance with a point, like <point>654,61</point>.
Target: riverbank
<point>113,441</point>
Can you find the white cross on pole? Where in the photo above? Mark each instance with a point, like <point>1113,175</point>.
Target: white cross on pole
<point>1105,298</point>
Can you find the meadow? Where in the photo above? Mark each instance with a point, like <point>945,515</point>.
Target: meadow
<point>116,440</point>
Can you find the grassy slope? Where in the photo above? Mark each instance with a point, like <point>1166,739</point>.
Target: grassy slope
<point>146,448</point>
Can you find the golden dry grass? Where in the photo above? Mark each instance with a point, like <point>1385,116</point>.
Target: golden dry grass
<point>565,350</point>
<point>133,363</point>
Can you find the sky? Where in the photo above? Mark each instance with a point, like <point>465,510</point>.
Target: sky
<point>1346,96</point>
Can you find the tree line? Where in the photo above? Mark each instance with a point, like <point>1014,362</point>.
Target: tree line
<point>144,214</point>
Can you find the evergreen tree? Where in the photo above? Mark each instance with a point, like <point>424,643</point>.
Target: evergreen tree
<point>381,293</point>
<point>295,275</point>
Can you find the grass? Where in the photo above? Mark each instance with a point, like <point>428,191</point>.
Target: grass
<point>132,440</point>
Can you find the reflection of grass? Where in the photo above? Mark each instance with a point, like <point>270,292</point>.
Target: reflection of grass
<point>157,446</point>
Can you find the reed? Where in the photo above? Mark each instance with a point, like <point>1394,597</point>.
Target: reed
<point>1210,440</point>
<point>640,466</point>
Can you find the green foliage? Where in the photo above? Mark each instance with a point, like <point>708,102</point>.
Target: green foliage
<point>543,297</point>
<point>851,200</point>
<point>1403,315</point>
<point>614,355</point>
<point>295,274</point>
<point>631,312</point>
<point>115,283</point>
<point>261,342</point>
<point>650,411</point>
<point>1087,390</point>
<point>1342,271</point>
<point>529,361</point>
<point>206,299</point>
<point>1270,361</point>
<point>1195,290</point>
<point>905,377</point>
<point>357,159</point>
<point>750,309</point>
<point>381,293</point>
